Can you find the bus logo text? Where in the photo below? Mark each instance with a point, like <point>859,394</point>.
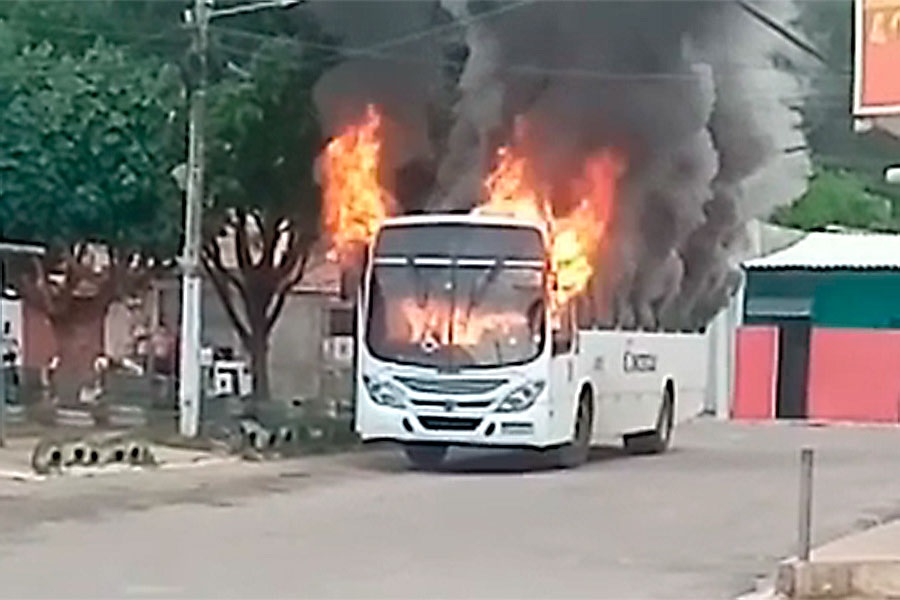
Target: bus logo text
<point>638,362</point>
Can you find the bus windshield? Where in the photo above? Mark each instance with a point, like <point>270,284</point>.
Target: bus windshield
<point>453,311</point>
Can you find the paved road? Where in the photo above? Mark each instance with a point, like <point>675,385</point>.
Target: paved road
<point>700,522</point>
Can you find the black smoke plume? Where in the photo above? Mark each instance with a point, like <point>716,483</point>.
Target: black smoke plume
<point>695,93</point>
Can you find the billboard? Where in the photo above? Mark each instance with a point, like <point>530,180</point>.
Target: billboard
<point>877,58</point>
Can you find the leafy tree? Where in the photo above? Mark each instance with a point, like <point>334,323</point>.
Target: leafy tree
<point>87,142</point>
<point>265,203</point>
<point>145,27</point>
<point>836,198</point>
<point>827,111</point>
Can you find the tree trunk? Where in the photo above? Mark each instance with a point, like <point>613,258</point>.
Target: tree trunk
<point>79,341</point>
<point>259,365</point>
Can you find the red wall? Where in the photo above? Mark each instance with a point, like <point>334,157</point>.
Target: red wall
<point>854,375</point>
<point>756,371</point>
<point>39,343</point>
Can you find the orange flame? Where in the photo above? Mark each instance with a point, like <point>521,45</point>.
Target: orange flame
<point>355,204</point>
<point>574,238</point>
<point>512,190</point>
<point>430,324</point>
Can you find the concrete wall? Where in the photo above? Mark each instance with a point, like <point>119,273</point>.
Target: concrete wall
<point>295,357</point>
<point>217,329</point>
<point>295,363</point>
<point>721,359</point>
<point>852,374</point>
<point>756,373</point>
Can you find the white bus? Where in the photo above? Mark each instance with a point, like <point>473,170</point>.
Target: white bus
<point>457,346</point>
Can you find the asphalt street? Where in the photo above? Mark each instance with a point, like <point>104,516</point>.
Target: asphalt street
<point>702,522</point>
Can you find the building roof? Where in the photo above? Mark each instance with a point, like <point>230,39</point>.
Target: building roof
<point>320,277</point>
<point>825,250</point>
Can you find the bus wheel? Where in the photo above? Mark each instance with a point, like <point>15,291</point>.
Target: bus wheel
<point>657,440</point>
<point>426,457</point>
<point>575,453</point>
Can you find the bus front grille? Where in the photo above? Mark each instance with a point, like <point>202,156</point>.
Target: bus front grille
<point>457,404</point>
<point>449,423</point>
<point>451,386</point>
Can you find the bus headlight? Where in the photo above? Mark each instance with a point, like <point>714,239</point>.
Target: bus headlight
<point>522,397</point>
<point>385,392</point>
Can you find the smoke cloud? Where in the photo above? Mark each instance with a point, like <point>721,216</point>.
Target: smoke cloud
<point>692,93</point>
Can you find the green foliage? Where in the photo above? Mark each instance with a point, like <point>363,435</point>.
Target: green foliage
<point>264,136</point>
<point>87,142</point>
<point>151,27</point>
<point>827,111</point>
<point>836,198</point>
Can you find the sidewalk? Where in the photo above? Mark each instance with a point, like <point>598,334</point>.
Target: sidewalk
<point>862,565</point>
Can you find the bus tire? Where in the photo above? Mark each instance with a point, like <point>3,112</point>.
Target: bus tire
<point>575,453</point>
<point>426,457</point>
<point>657,440</point>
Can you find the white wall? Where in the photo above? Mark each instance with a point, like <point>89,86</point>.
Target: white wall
<point>11,311</point>
<point>722,332</point>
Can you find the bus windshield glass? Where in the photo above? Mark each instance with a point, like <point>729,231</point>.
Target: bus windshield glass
<point>455,306</point>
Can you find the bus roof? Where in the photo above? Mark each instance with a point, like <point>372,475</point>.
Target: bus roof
<point>461,219</point>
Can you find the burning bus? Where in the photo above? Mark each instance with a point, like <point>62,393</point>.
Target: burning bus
<point>468,326</point>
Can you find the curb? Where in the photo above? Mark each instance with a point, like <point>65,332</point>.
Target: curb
<point>828,580</point>
<point>209,461</point>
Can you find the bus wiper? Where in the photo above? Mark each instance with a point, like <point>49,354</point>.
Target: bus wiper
<point>421,298</point>
<point>479,290</point>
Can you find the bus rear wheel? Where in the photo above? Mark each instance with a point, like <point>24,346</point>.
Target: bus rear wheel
<point>658,439</point>
<point>426,457</point>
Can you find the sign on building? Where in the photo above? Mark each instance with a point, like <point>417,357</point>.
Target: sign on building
<point>877,56</point>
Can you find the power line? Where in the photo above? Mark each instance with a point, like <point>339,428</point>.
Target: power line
<point>783,31</point>
<point>457,23</point>
<point>725,70</point>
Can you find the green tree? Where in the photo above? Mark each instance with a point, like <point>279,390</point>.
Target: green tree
<point>827,111</point>
<point>87,142</point>
<point>265,202</point>
<point>836,197</point>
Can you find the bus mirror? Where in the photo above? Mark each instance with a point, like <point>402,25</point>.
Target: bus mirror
<point>347,285</point>
<point>561,342</point>
<point>536,317</point>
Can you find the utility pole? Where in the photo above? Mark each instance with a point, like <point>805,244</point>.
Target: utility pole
<point>189,383</point>
<point>189,386</point>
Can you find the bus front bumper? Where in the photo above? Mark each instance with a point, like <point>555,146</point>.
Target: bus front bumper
<point>526,429</point>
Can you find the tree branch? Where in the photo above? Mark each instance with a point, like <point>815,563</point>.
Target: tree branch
<point>257,219</point>
<point>242,252</point>
<point>213,253</point>
<point>33,287</point>
<point>283,290</point>
<point>221,287</point>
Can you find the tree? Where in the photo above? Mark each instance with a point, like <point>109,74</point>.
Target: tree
<point>265,203</point>
<point>87,142</point>
<point>836,197</point>
<point>827,111</point>
<point>145,26</point>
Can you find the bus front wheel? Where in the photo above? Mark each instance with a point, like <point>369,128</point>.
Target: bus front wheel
<point>426,457</point>
<point>576,452</point>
